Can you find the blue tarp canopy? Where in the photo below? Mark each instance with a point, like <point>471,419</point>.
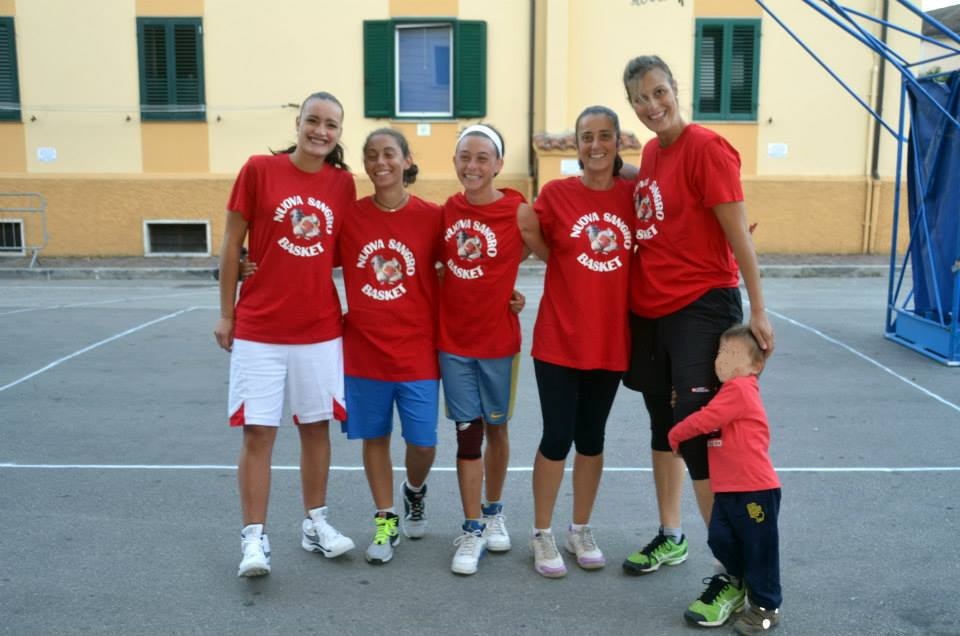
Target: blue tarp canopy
<point>933,177</point>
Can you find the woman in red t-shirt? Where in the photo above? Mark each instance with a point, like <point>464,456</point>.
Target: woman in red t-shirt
<point>480,335</point>
<point>582,227</point>
<point>285,328</point>
<point>691,237</point>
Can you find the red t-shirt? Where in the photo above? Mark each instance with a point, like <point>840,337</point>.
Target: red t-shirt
<point>481,253</point>
<point>293,219</point>
<point>738,452</point>
<point>682,252</point>
<point>582,322</point>
<point>389,273</point>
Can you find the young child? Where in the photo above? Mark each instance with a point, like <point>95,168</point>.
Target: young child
<point>743,524</point>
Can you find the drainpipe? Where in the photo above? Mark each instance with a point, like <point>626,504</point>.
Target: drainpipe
<point>532,160</point>
<point>873,197</point>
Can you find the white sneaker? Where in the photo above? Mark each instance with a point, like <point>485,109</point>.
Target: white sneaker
<point>495,531</point>
<point>320,536</point>
<point>582,544</point>
<point>546,558</point>
<point>471,545</point>
<point>256,551</point>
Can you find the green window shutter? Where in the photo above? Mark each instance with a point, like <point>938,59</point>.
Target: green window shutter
<point>744,64</point>
<point>378,68</point>
<point>470,69</point>
<point>171,69</point>
<point>726,74</point>
<point>708,74</point>
<point>188,68</point>
<point>9,84</point>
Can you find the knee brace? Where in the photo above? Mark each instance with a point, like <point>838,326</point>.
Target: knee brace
<point>470,439</point>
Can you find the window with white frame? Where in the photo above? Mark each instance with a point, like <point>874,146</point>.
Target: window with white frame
<point>417,68</point>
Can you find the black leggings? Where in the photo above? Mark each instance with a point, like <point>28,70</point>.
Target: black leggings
<point>676,353</point>
<point>575,404</point>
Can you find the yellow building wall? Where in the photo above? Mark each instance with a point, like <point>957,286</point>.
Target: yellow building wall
<point>75,97</point>
<point>602,42</point>
<point>169,8</point>
<point>96,215</point>
<point>13,141</point>
<point>825,129</point>
<point>112,173</point>
<point>257,61</point>
<point>508,76</point>
<point>424,7</point>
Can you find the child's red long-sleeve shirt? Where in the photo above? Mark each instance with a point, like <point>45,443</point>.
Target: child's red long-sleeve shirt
<point>738,453</point>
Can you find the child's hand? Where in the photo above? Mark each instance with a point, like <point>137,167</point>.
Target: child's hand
<point>517,301</point>
<point>673,398</point>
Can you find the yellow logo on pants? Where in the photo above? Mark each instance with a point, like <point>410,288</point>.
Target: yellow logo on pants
<point>755,512</point>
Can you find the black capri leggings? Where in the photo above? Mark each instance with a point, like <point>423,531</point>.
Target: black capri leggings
<point>676,353</point>
<point>575,404</point>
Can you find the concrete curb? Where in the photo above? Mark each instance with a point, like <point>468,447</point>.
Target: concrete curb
<point>533,269</point>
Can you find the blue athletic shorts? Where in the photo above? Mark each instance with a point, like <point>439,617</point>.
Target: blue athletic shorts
<point>479,387</point>
<point>372,403</point>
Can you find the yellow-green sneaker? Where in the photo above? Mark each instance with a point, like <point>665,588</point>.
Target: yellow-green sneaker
<point>721,599</point>
<point>387,535</point>
<point>661,551</point>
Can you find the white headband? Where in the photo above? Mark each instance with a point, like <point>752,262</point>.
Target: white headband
<point>487,132</point>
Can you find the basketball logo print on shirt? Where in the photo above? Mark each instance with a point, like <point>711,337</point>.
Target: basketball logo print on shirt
<point>304,226</point>
<point>472,241</point>
<point>386,264</point>
<point>309,221</point>
<point>604,239</point>
<point>648,204</point>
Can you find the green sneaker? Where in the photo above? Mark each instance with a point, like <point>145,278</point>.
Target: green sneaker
<point>756,620</point>
<point>662,550</point>
<point>717,603</point>
<point>387,536</point>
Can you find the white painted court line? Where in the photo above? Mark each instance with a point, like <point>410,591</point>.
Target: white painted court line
<point>451,469</point>
<point>95,303</point>
<point>864,356</point>
<point>94,346</point>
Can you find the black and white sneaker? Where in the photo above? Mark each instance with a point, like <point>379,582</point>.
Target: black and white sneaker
<point>414,512</point>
